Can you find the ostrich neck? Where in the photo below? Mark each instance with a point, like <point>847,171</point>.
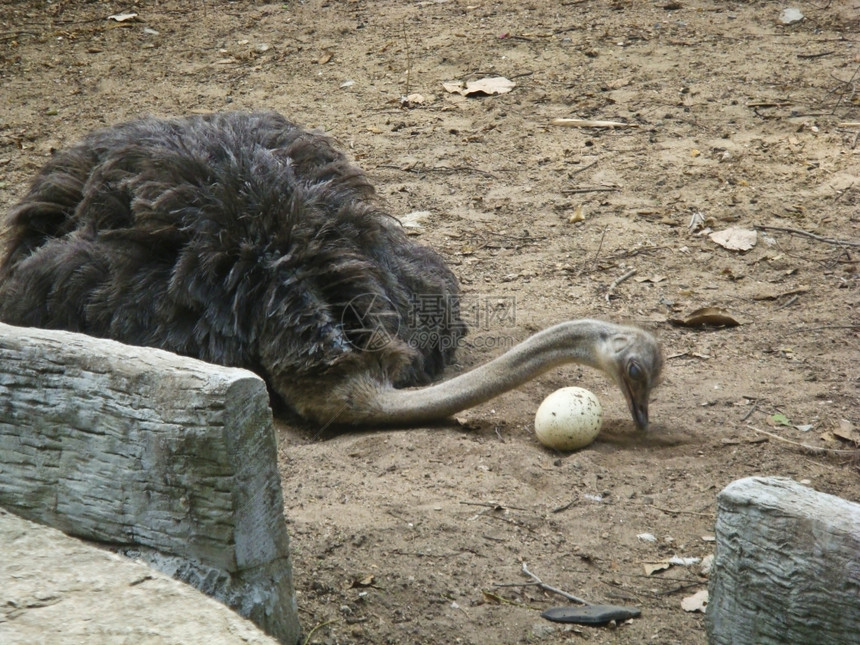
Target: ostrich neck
<point>580,341</point>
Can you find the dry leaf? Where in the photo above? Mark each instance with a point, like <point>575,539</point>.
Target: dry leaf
<point>122,17</point>
<point>847,432</point>
<point>697,602</point>
<point>489,86</point>
<point>653,567</point>
<point>735,239</point>
<point>590,123</point>
<point>412,99</point>
<point>778,419</point>
<point>707,317</point>
<point>577,216</point>
<point>414,219</point>
<point>684,562</point>
<point>618,83</point>
<point>482,87</point>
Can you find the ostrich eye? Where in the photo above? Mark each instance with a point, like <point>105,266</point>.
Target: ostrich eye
<point>634,371</point>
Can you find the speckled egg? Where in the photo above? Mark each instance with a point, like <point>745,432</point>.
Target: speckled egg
<point>568,419</point>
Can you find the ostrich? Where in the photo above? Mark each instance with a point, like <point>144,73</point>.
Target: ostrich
<point>245,240</point>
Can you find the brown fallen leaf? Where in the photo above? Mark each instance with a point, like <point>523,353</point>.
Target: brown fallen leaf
<point>707,317</point>
<point>847,432</point>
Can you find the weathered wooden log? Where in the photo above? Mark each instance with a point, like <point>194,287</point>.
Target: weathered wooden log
<point>166,457</point>
<point>786,568</point>
<point>58,589</point>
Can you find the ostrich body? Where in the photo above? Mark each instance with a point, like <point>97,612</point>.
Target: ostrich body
<point>245,240</point>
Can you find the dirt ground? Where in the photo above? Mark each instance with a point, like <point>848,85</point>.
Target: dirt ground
<point>740,121</point>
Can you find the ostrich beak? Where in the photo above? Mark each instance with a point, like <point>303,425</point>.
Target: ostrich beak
<point>637,400</point>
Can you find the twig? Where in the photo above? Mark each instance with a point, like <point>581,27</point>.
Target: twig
<point>618,281</point>
<point>787,303</point>
<point>611,259</point>
<point>560,509</point>
<point>818,238</point>
<point>440,169</point>
<point>12,35</point>
<point>848,85</point>
<point>600,244</point>
<point>750,413</point>
<point>622,278</point>
<point>820,55</point>
<point>577,191</point>
<point>588,123</point>
<point>583,169</point>
<point>801,289</point>
<point>678,588</point>
<point>408,60</point>
<point>315,628</point>
<point>596,253</point>
<point>767,104</point>
<point>804,445</point>
<point>495,505</point>
<point>519,525</point>
<point>547,587</point>
<point>850,186</point>
<point>499,599</point>
<point>675,511</point>
<point>801,330</point>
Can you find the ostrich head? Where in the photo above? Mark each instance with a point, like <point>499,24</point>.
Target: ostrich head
<point>632,358</point>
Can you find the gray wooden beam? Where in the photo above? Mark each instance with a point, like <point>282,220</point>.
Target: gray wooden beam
<point>160,456</point>
<point>786,568</point>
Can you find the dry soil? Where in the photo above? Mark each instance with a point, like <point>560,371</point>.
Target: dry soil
<point>733,118</point>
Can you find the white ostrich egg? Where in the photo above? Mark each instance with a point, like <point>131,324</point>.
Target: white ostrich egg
<point>568,419</point>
